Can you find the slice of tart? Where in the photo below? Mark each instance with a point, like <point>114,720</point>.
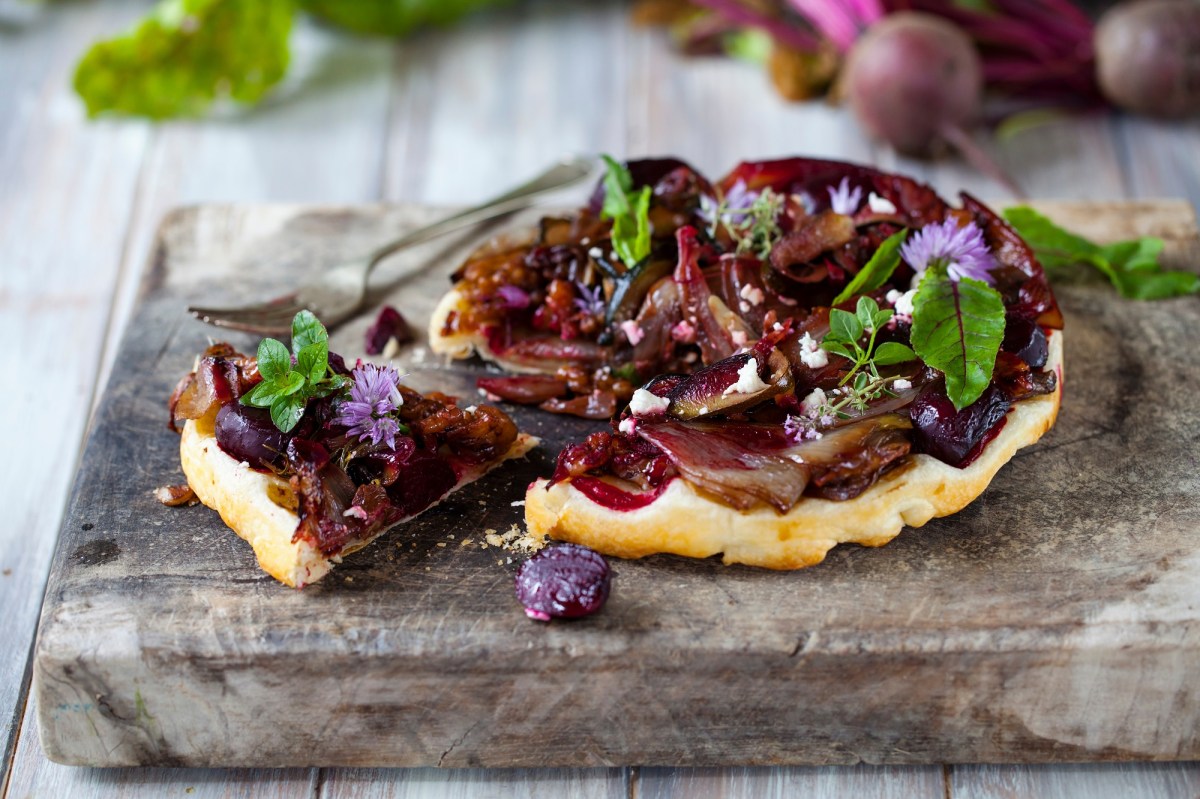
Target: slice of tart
<point>363,454</point>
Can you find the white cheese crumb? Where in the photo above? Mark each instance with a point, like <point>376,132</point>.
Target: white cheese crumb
<point>633,331</point>
<point>596,252</point>
<point>892,296</point>
<point>752,294</point>
<point>738,337</point>
<point>628,425</point>
<point>744,306</point>
<point>646,404</point>
<point>904,303</point>
<point>811,404</point>
<point>880,205</point>
<point>748,381</point>
<point>470,409</point>
<point>518,503</point>
<point>684,332</point>
<point>902,384</point>
<point>811,353</point>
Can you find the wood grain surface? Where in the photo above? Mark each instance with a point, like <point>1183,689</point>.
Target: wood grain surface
<point>432,119</point>
<point>986,636</point>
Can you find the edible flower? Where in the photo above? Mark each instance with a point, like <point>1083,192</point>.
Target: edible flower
<point>591,300</point>
<point>960,249</point>
<point>731,211</point>
<point>373,397</point>
<point>843,199</point>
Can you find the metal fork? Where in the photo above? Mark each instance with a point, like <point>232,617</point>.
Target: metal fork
<point>338,293</point>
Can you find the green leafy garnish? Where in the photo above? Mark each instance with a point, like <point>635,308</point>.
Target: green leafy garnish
<point>877,270</point>
<point>629,212</point>
<point>957,328</point>
<point>1132,266</point>
<point>286,388</point>
<point>393,17</point>
<point>185,55</point>
<point>846,331</point>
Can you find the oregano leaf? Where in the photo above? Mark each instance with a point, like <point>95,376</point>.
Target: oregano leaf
<point>306,331</point>
<point>845,326</point>
<point>890,353</point>
<point>261,396</point>
<point>957,328</point>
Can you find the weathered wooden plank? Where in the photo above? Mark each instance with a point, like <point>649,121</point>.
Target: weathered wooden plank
<point>1076,781</point>
<point>35,776</point>
<point>1158,158</point>
<point>65,201</point>
<point>860,782</point>
<point>353,783</point>
<point>904,667</point>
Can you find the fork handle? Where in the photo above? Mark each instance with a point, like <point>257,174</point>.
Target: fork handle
<point>562,174</point>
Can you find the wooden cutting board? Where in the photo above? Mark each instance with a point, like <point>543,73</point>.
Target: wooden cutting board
<point>1056,618</point>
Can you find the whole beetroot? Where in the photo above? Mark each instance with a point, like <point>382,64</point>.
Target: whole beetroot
<point>564,581</point>
<point>912,79</point>
<point>1148,57</point>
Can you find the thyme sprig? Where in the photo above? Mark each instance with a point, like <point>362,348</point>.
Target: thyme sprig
<point>752,220</point>
<point>845,336</point>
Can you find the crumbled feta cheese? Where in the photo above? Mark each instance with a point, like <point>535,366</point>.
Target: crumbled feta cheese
<point>880,205</point>
<point>646,404</point>
<point>628,425</point>
<point>904,303</point>
<point>902,384</point>
<point>748,381</point>
<point>470,409</point>
<point>596,252</point>
<point>811,405</point>
<point>752,294</point>
<point>892,296</point>
<point>811,353</point>
<point>738,337</point>
<point>633,331</point>
<point>743,306</point>
<point>684,331</point>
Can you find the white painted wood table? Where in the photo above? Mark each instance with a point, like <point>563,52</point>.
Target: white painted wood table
<point>446,118</point>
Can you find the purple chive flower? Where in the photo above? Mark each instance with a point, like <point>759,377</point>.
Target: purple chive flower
<point>843,199</point>
<point>591,301</point>
<point>373,396</point>
<point>961,250</point>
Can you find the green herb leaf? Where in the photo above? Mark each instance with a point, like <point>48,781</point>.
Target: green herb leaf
<point>844,326</point>
<point>261,396</point>
<point>1132,266</point>
<point>890,353</point>
<point>286,412</point>
<point>185,55</point>
<point>307,330</point>
<point>957,329</point>
<point>837,348</point>
<point>877,271</point>
<point>313,361</point>
<point>273,359</point>
<point>865,312</point>
<point>291,384</point>
<point>629,212</point>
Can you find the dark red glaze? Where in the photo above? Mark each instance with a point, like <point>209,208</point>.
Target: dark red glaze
<point>524,389</point>
<point>613,498</point>
<point>564,581</point>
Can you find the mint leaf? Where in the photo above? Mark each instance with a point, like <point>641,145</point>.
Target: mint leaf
<point>837,348</point>
<point>877,271</point>
<point>287,411</point>
<point>261,396</point>
<point>291,384</point>
<point>957,329</point>
<point>313,361</point>
<point>185,55</point>
<point>1132,266</point>
<point>274,362</point>
<point>865,312</point>
<point>307,330</point>
<point>890,353</point>
<point>629,212</point>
